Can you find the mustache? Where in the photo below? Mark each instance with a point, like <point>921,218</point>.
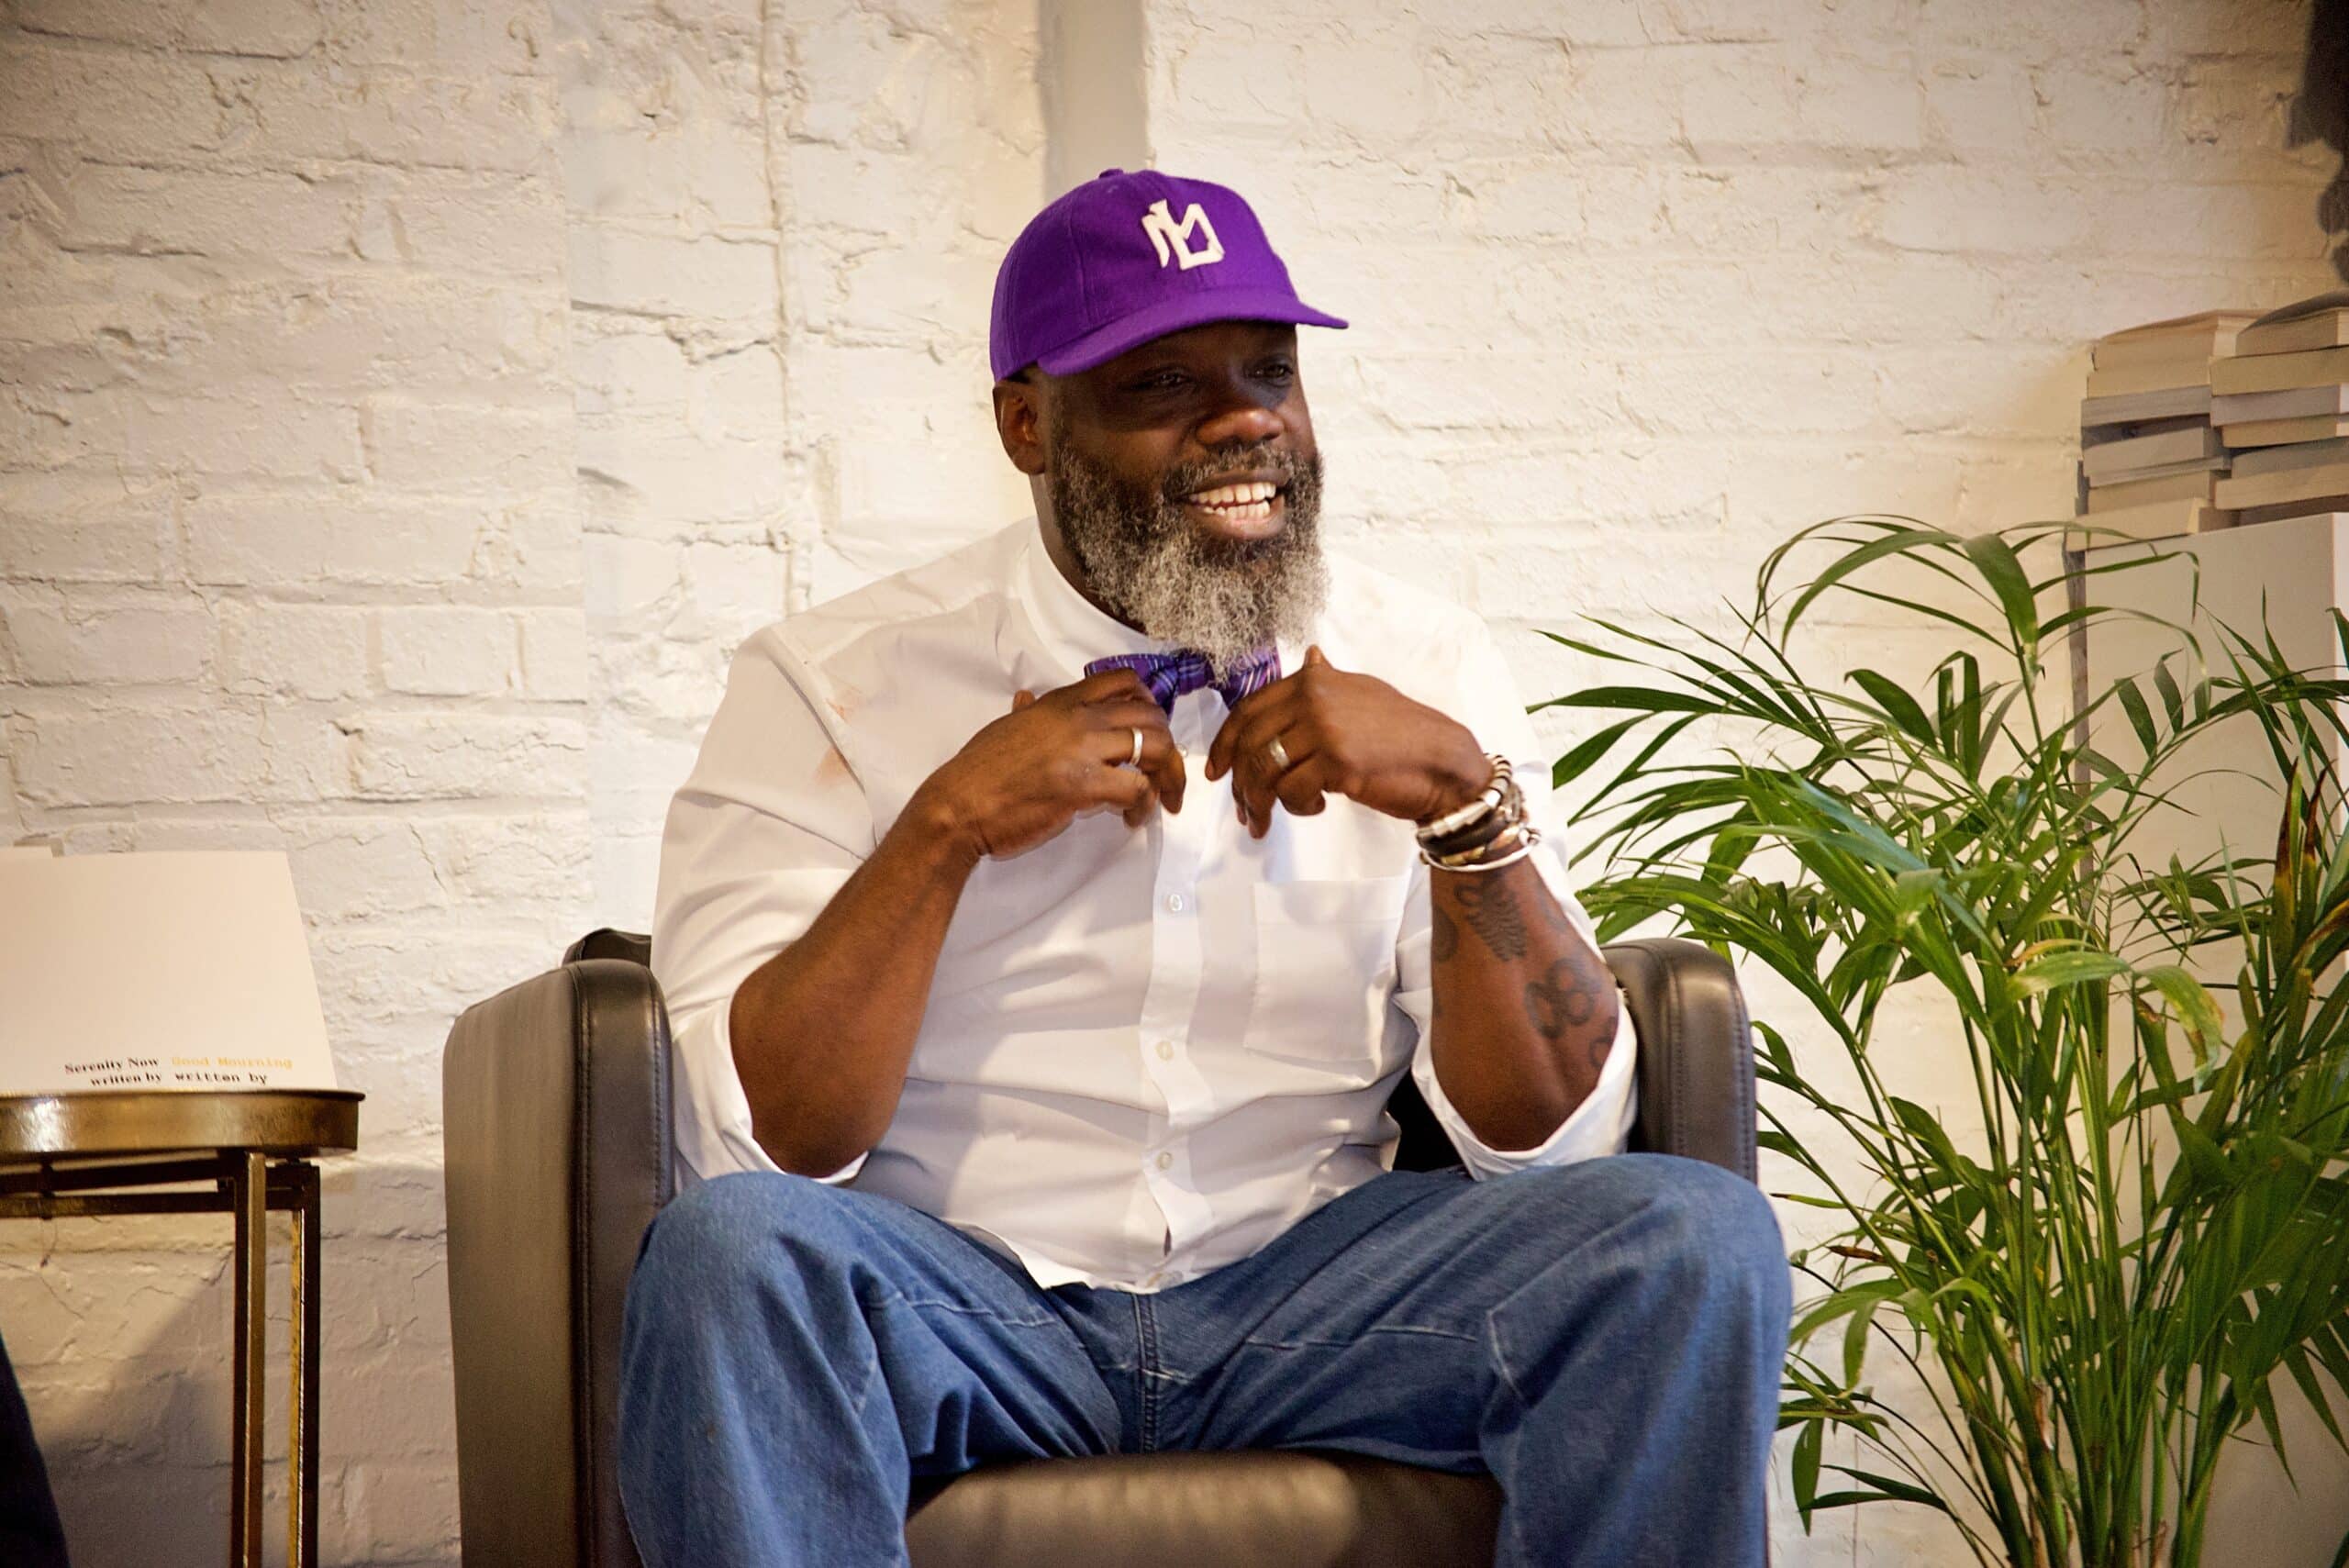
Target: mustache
<point>1182,480</point>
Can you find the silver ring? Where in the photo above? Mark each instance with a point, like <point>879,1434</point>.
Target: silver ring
<point>1135,760</point>
<point>1278,753</point>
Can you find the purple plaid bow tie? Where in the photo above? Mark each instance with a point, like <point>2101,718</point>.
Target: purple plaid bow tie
<point>1169,675</point>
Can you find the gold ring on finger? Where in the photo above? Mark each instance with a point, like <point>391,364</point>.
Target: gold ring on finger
<point>1135,760</point>
<point>1278,753</point>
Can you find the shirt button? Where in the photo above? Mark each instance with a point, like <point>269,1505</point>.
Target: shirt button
<point>1166,1051</point>
<point>1165,1161</point>
<point>1175,903</point>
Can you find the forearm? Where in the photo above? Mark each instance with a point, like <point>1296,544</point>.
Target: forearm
<point>1525,1009</point>
<point>823,1031</point>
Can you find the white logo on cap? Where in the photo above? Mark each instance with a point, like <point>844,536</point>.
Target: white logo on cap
<point>1174,239</point>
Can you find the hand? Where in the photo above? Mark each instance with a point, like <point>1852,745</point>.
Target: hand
<point>1345,734</point>
<point>1023,779</point>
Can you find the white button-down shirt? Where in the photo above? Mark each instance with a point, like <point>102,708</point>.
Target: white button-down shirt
<point>1148,1051</point>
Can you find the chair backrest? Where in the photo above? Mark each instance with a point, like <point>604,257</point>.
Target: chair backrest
<point>556,1100</point>
<point>555,1105</point>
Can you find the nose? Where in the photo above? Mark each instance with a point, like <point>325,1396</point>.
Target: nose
<point>1243,420</point>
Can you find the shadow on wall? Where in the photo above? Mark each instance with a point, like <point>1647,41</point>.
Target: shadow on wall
<point>2322,114</point>
<point>120,1331</point>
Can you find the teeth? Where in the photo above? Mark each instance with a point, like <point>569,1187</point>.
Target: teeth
<point>1236,495</point>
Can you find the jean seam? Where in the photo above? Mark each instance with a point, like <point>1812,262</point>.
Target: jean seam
<point>1498,1351</point>
<point>1512,1519</point>
<point>1146,1370</point>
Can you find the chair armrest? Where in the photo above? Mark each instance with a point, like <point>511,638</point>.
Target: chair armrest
<point>555,1106</point>
<point>1696,1051</point>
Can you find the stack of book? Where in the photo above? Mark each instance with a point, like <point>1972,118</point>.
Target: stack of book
<point>2153,460</point>
<point>2281,403</point>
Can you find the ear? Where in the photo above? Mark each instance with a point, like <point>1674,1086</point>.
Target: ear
<point>1019,422</point>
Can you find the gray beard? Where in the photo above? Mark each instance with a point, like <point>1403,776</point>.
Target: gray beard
<point>1146,561</point>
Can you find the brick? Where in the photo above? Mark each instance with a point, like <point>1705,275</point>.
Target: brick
<point>188,212</point>
<point>143,22</point>
<point>1872,107</point>
<point>662,472</point>
<point>108,104</point>
<point>451,447</point>
<point>613,269</point>
<point>1981,104</point>
<point>1499,88</point>
<point>125,755</point>
<point>443,756</point>
<point>134,640</point>
<point>448,652</point>
<point>532,548</point>
<point>463,36</point>
<point>82,528</point>
<point>2008,215</point>
<point>1371,88</point>
<point>393,116</point>
<point>554,655</point>
<point>496,862</point>
<point>313,651</point>
<point>739,587</point>
<point>268,540</point>
<point>276,434</point>
<point>2107,111</point>
<point>739,397</point>
<point>363,869</point>
<point>629,369</point>
<point>636,774</point>
<point>463,224</point>
<point>269,28</point>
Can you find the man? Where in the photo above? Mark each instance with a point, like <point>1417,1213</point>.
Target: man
<point>1044,931</point>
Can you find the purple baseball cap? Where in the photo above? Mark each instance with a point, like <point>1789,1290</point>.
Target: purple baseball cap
<point>1126,258</point>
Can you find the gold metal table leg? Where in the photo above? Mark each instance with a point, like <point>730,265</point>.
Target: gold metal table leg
<point>302,1427</point>
<point>248,1183</point>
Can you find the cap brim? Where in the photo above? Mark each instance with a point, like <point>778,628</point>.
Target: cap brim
<point>1106,343</point>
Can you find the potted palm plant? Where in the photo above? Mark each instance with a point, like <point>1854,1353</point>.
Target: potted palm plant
<point>2105,1263</point>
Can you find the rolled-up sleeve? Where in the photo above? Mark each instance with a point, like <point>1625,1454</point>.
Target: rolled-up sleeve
<point>769,825</point>
<point>1489,706</point>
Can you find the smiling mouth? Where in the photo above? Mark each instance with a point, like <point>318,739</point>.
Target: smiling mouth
<point>1246,508</point>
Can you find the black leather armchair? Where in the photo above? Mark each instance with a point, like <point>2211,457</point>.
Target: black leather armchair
<point>555,1099</point>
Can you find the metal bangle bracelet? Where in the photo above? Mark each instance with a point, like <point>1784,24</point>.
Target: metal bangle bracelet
<point>1488,800</point>
<point>1483,830</point>
<point>1532,837</point>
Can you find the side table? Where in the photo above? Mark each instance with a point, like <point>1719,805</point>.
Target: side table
<point>74,1154</point>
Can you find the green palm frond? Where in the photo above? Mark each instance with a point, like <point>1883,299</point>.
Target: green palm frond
<point>2103,1267</point>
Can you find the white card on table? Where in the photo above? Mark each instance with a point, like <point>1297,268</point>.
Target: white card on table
<point>156,970</point>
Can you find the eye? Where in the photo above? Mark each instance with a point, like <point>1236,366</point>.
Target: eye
<point>1278,371</point>
<point>1165,380</point>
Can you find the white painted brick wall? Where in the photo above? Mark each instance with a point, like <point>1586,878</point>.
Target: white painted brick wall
<point>289,558</point>
<point>405,406</point>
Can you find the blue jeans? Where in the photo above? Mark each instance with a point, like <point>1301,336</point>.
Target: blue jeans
<point>1603,1338</point>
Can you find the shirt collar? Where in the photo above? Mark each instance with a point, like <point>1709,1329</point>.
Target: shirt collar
<point>1070,629</point>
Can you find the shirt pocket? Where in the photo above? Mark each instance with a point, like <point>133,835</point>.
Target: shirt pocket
<point>1325,970</point>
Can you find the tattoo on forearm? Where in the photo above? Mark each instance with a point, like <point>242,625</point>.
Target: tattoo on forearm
<point>1564,1006</point>
<point>1445,937</point>
<point>1492,912</point>
<point>1559,1001</point>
